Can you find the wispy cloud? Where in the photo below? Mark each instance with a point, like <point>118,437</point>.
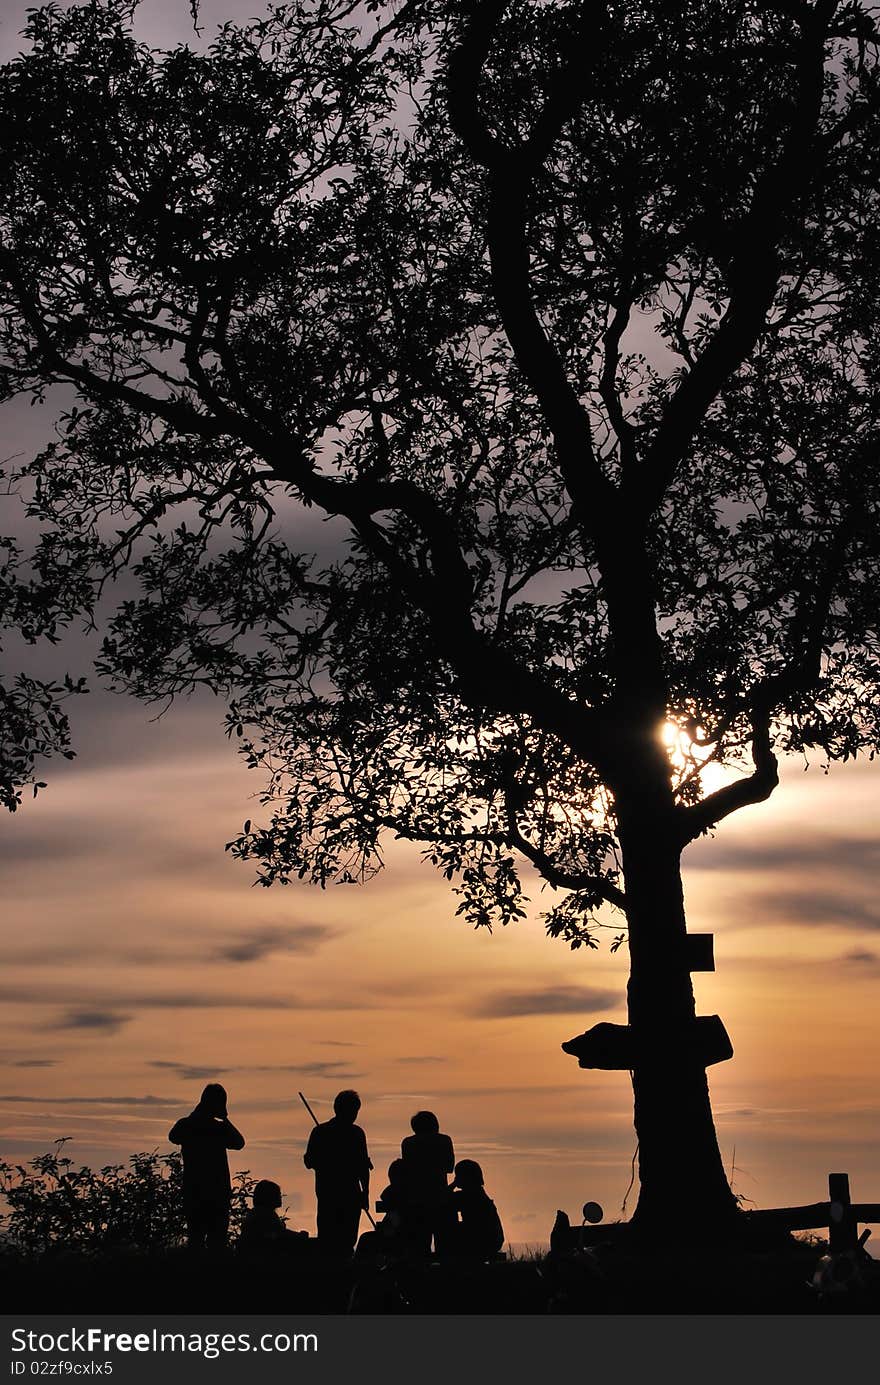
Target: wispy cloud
<point>558,1000</point>
<point>318,1068</point>
<point>810,880</point>
<point>80,1001</point>
<point>104,1021</point>
<point>184,945</point>
<point>252,946</point>
<point>819,908</point>
<point>184,1070</point>
<point>849,855</point>
<point>50,955</point>
<point>35,1063</point>
<point>94,1100</point>
<point>54,846</point>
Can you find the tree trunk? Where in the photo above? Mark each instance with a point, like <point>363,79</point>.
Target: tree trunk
<point>681,1176</point>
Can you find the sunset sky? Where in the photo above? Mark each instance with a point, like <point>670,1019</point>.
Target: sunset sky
<point>139,962</point>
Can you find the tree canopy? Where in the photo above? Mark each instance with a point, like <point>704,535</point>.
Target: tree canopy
<point>566,313</point>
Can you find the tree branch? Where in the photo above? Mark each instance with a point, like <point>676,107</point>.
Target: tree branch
<point>553,873</point>
<point>755,788</point>
<point>623,429</point>
<point>753,271</point>
<point>174,411</point>
<point>463,70</point>
<point>485,672</point>
<point>510,174</point>
<point>802,673</point>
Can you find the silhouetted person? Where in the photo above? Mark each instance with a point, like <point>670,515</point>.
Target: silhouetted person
<point>394,1198</point>
<point>337,1151</point>
<point>479,1234</point>
<point>429,1158</point>
<point>263,1231</point>
<point>204,1138</point>
<point>393,1235</point>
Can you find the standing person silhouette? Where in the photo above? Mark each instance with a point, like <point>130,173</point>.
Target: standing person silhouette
<point>204,1137</point>
<point>337,1152</point>
<point>428,1157</point>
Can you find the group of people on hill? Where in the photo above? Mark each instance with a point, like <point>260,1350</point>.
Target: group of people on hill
<point>423,1213</point>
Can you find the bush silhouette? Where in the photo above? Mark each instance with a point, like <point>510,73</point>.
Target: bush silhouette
<point>52,1204</point>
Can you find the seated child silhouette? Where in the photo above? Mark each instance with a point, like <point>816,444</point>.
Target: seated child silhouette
<point>263,1231</point>
<point>392,1237</point>
<point>479,1233</point>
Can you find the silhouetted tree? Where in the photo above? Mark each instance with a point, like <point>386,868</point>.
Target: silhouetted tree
<point>567,315</point>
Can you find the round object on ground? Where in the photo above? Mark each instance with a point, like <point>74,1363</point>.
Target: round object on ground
<point>839,1274</point>
<point>593,1213</point>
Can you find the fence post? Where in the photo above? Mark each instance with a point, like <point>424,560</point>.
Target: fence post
<point>842,1226</point>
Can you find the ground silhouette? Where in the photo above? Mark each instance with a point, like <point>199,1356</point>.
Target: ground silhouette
<point>56,1255</point>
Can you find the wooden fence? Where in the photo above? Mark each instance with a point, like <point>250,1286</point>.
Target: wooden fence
<point>840,1216</point>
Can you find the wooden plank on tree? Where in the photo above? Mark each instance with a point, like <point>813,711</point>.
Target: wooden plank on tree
<point>614,1048</point>
<point>711,1040</point>
<point>607,1046</point>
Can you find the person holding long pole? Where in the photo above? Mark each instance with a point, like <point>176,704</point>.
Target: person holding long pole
<point>337,1153</point>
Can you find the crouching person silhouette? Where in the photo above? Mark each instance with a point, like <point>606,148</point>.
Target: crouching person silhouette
<point>337,1152</point>
<point>204,1137</point>
<point>480,1234</point>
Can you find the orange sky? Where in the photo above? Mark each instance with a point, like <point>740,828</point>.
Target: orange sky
<point>138,962</point>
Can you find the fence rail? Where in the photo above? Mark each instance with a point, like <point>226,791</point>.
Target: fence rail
<point>839,1215</point>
